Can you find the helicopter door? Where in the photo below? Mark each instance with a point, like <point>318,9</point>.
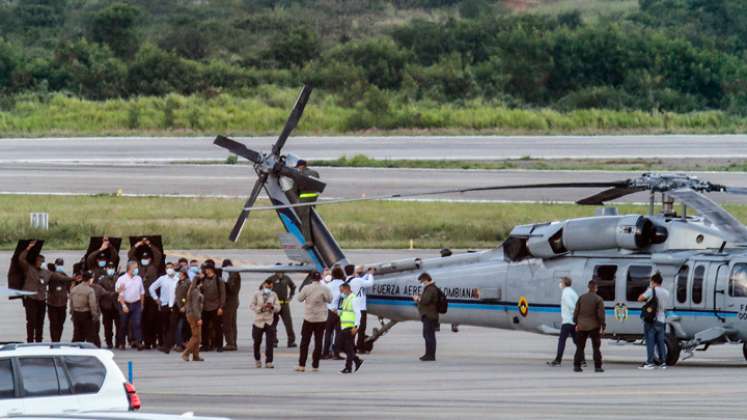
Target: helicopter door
<point>730,293</point>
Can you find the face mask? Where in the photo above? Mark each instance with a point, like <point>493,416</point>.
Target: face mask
<point>145,261</point>
<point>266,291</point>
<point>170,272</point>
<point>59,269</point>
<point>102,263</point>
<point>194,270</point>
<point>109,271</point>
<point>135,271</point>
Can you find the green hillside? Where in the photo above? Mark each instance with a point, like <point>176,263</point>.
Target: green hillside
<point>406,64</point>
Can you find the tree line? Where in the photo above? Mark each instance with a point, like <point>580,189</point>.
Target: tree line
<point>666,55</point>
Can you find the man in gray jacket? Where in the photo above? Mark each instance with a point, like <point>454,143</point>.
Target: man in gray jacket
<point>315,297</point>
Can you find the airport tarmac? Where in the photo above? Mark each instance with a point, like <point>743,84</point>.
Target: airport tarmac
<point>237,180</point>
<point>480,373</point>
<point>167,149</point>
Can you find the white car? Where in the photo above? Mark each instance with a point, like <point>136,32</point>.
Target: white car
<point>61,378</point>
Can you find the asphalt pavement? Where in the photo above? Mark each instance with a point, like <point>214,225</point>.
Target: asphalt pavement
<point>237,180</point>
<point>160,149</point>
<point>480,373</point>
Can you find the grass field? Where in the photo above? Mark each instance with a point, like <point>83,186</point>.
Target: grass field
<point>263,110</point>
<point>204,223</point>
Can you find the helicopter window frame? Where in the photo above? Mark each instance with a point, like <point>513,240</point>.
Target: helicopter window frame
<point>605,284</point>
<point>696,289</point>
<point>637,283</point>
<point>740,287</point>
<point>681,288</point>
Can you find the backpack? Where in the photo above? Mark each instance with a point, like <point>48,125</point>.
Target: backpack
<point>649,309</point>
<point>443,302</point>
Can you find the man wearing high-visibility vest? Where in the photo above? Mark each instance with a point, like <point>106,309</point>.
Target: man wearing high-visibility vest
<point>304,213</point>
<point>350,319</point>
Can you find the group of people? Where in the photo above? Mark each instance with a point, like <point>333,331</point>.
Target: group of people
<point>583,318</point>
<point>191,307</point>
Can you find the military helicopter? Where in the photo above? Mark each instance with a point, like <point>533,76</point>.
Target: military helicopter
<point>702,258</point>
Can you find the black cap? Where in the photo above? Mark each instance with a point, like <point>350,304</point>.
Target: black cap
<point>87,275</point>
<point>59,261</point>
<point>102,256</point>
<point>145,254</point>
<point>300,162</point>
<point>315,276</point>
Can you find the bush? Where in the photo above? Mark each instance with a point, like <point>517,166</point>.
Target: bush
<point>115,26</point>
<point>294,47</point>
<point>380,59</point>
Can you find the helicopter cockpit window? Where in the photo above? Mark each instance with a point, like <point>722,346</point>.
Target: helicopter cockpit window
<point>639,277</point>
<point>697,293</point>
<point>605,277</point>
<point>738,281</point>
<point>682,284</point>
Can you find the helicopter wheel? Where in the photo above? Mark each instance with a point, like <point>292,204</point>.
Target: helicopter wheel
<point>674,349</point>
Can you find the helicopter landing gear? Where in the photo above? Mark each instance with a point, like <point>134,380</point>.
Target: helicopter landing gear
<point>384,327</point>
<point>674,348</point>
<point>744,350</point>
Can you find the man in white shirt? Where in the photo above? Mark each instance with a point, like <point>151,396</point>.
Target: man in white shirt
<point>358,285</point>
<point>131,293</point>
<point>167,310</point>
<point>568,298</point>
<point>332,328</point>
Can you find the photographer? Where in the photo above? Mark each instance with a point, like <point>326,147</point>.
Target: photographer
<point>265,304</point>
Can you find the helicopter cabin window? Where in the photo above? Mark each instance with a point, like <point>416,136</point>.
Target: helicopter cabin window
<point>639,277</point>
<point>697,292</point>
<point>682,284</point>
<point>738,281</point>
<point>605,277</point>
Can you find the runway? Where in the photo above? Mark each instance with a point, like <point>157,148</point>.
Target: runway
<point>480,373</point>
<point>237,180</point>
<point>161,149</point>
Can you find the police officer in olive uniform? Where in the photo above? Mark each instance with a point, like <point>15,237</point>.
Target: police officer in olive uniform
<point>284,287</point>
<point>148,263</point>
<point>183,332</point>
<point>233,286</point>
<point>106,295</point>
<point>99,260</point>
<point>57,297</point>
<point>84,309</point>
<point>304,213</point>
<point>36,279</point>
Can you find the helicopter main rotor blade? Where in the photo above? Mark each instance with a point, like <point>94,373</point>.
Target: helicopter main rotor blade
<point>608,195</point>
<point>710,210</point>
<point>293,119</point>
<point>735,190</point>
<point>241,221</point>
<point>452,191</point>
<point>304,182</point>
<point>238,149</point>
